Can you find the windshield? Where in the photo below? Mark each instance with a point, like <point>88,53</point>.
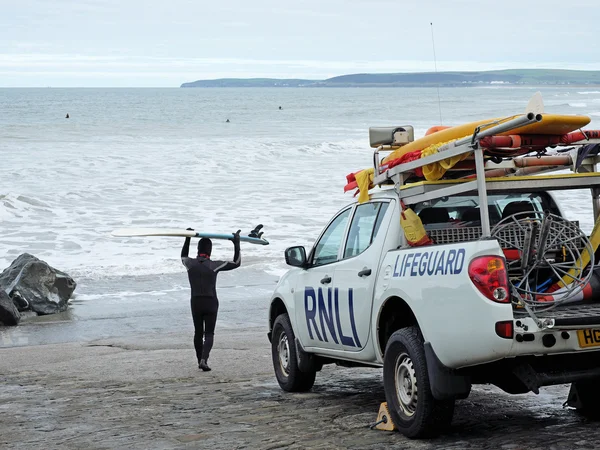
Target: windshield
<point>463,210</point>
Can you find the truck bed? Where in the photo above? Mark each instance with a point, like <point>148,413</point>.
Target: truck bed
<point>570,315</point>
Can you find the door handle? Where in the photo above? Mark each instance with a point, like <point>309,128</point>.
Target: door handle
<point>326,280</point>
<point>364,273</point>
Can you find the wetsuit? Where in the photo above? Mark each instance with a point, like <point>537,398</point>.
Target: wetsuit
<point>202,273</point>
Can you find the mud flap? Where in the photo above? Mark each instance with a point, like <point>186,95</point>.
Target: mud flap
<point>573,399</point>
<point>445,383</point>
<point>307,362</point>
<point>528,377</point>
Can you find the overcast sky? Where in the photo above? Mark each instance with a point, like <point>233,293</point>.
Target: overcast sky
<point>168,42</point>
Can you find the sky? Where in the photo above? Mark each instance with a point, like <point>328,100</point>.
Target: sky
<point>163,43</point>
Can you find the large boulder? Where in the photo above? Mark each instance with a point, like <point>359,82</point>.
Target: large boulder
<point>9,315</point>
<point>34,285</point>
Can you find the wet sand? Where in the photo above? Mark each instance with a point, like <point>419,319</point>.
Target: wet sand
<point>146,392</point>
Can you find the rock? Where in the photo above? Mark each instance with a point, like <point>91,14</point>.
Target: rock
<point>9,315</point>
<point>32,284</point>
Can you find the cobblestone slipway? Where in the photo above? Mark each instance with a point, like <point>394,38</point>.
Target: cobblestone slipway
<point>147,393</point>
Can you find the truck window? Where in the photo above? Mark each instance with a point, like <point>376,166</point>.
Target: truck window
<point>363,229</point>
<point>327,249</point>
<point>463,210</point>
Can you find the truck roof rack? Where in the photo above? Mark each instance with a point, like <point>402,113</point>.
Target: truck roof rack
<point>426,190</point>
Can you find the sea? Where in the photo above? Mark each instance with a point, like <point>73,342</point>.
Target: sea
<point>213,159</point>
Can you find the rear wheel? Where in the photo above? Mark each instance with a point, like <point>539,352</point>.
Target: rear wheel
<point>413,409</point>
<point>585,397</point>
<point>285,361</point>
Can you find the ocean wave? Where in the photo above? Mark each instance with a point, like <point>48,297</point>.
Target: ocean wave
<point>16,201</point>
<point>17,210</point>
<point>588,92</point>
<point>286,171</point>
<point>125,294</point>
<point>558,108</point>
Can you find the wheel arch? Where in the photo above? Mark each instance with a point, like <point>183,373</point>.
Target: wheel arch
<point>277,308</point>
<point>394,314</point>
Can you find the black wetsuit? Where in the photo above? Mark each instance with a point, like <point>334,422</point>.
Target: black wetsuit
<point>202,273</point>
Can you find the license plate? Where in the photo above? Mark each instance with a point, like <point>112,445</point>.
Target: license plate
<point>588,338</point>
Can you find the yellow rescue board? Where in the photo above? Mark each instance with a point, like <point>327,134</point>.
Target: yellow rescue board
<point>551,124</point>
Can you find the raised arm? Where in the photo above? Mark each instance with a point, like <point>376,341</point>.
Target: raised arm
<point>219,266</point>
<point>185,250</point>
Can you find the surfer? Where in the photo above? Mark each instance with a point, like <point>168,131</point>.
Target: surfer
<point>202,273</point>
<point>227,121</point>
<point>67,116</point>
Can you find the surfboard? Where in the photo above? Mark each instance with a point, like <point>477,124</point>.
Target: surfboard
<point>551,124</point>
<point>176,232</point>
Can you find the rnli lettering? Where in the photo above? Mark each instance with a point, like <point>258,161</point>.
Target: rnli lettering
<point>325,304</point>
<point>432,263</point>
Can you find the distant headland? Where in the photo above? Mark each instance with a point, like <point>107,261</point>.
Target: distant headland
<point>520,77</point>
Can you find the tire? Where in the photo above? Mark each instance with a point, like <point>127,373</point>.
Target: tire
<point>285,361</point>
<point>414,411</point>
<point>585,397</point>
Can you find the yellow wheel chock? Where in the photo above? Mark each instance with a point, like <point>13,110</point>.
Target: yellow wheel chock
<point>384,420</point>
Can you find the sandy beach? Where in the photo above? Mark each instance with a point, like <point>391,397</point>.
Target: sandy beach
<point>146,392</point>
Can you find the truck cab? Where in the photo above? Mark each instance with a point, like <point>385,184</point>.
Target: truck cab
<point>500,294</point>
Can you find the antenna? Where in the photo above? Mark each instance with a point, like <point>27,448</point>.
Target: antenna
<point>435,65</point>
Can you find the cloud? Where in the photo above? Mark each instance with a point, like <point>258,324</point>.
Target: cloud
<point>115,63</point>
<point>73,41</point>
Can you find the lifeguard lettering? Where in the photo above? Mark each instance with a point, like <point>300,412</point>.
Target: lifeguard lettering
<point>432,263</point>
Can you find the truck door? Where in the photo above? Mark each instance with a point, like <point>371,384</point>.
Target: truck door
<point>315,306</point>
<point>356,272</point>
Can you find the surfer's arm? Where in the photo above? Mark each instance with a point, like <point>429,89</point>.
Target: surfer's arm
<point>185,251</point>
<point>219,266</point>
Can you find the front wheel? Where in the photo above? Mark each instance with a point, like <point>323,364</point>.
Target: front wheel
<point>414,411</point>
<point>285,361</point>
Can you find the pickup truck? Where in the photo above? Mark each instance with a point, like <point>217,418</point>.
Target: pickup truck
<point>471,307</point>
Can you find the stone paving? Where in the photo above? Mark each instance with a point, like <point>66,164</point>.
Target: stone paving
<point>146,393</point>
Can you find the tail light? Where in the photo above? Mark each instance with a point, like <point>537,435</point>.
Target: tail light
<point>488,274</point>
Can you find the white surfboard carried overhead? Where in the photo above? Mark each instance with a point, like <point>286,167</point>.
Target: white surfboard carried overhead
<point>254,237</point>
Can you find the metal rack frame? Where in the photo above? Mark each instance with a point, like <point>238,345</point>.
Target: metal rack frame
<point>422,191</point>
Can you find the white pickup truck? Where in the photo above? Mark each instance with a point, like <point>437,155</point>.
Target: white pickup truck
<point>473,307</point>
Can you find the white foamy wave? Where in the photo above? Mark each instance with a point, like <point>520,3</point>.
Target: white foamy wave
<point>15,206</point>
<point>588,92</point>
<point>126,294</point>
<point>224,187</point>
<point>577,105</point>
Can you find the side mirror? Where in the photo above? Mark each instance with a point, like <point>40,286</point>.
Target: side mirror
<point>295,256</point>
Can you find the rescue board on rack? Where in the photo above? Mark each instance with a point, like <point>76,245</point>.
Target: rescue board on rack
<point>551,124</point>
<point>255,236</point>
